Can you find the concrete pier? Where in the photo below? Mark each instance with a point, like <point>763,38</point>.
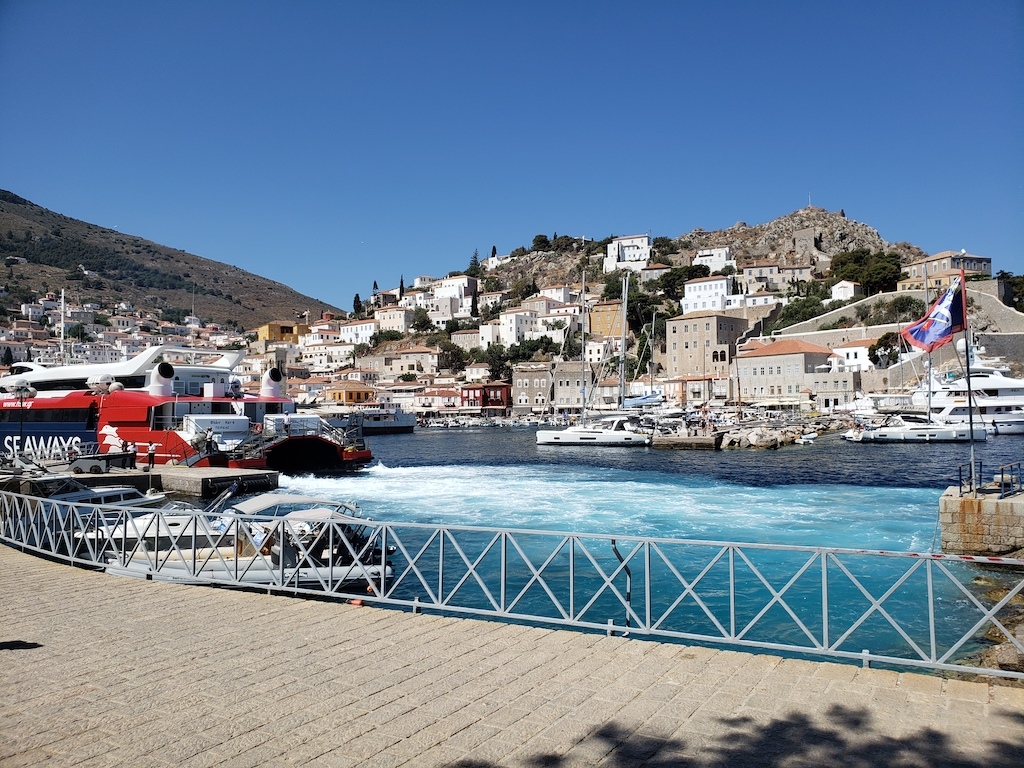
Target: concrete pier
<point>981,523</point>
<point>99,670</point>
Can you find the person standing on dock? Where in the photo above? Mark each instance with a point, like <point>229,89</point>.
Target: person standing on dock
<point>133,451</point>
<point>151,456</point>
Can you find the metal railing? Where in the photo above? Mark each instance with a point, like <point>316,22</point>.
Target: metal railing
<point>906,609</point>
<point>1010,480</point>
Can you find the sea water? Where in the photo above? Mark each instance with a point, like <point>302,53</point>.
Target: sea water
<point>830,494</point>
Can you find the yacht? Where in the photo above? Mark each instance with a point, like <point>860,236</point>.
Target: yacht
<point>610,430</point>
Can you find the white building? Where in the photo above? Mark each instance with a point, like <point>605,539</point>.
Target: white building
<point>715,259</point>
<point>490,333</point>
<point>853,356</point>
<point>515,323</point>
<point>631,253</point>
<point>706,294</point>
<point>563,294</point>
<point>358,331</point>
<point>845,290</point>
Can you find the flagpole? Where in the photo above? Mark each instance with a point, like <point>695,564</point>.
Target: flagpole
<point>970,389</point>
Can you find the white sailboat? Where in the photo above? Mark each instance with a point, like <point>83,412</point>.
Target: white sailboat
<point>613,430</point>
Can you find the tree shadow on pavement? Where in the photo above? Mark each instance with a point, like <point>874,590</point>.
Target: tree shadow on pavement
<point>845,738</point>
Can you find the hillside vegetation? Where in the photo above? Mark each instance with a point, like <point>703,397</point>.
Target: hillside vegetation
<point>60,251</point>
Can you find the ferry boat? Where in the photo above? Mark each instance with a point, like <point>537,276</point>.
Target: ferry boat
<point>192,413</point>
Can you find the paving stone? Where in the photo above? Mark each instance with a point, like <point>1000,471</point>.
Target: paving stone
<point>281,681</point>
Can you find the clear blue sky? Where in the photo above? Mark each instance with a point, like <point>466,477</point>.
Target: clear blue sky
<point>331,144</point>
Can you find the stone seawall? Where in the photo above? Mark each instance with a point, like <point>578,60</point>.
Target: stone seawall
<point>982,524</point>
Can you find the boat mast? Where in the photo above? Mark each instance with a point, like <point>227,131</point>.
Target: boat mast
<point>622,355</point>
<point>583,348</point>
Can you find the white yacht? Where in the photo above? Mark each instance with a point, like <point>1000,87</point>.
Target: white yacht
<point>610,430</point>
<point>998,401</point>
<point>903,429</point>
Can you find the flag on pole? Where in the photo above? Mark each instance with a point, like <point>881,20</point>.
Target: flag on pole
<point>946,317</point>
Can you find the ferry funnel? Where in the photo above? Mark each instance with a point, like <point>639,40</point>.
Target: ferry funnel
<point>272,383</point>
<point>160,380</point>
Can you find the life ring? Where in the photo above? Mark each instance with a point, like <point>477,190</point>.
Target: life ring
<point>257,428</point>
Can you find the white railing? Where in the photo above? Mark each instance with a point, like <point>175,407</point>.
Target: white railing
<point>918,610</point>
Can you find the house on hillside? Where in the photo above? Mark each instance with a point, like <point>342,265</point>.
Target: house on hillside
<point>632,253</point>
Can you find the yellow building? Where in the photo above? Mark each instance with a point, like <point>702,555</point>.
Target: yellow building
<point>350,392</point>
<point>282,332</point>
<point>606,319</point>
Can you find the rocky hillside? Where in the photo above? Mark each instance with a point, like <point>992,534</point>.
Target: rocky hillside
<point>106,266</point>
<point>827,234</point>
<point>809,235</point>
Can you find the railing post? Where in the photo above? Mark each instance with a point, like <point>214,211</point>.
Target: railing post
<point>610,632</point>
<point>865,661</point>
<point>416,605</point>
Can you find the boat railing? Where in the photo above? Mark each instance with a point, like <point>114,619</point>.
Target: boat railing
<point>914,610</point>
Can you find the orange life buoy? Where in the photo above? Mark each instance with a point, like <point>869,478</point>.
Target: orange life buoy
<point>257,428</point>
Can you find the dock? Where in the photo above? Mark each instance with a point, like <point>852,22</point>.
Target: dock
<point>97,669</point>
<point>197,482</point>
<point>712,442</point>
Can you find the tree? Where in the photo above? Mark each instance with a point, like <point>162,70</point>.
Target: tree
<point>421,321</point>
<point>452,356</point>
<point>375,289</point>
<point>408,376</point>
<point>671,283</point>
<point>541,243</point>
<point>357,306</point>
<point>474,309</point>
<point>8,358</point>
<point>474,264</point>
<point>401,286</point>
<point>494,251</point>
<point>886,350</point>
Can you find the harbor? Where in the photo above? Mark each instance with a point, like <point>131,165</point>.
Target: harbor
<point>154,673</point>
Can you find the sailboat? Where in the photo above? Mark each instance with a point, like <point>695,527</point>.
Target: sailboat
<point>614,430</point>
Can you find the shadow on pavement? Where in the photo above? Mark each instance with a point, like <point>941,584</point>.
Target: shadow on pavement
<point>844,739</point>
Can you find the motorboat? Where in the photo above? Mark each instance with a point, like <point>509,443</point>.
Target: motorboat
<point>269,539</point>
<point>900,429</point>
<point>373,419</point>
<point>610,430</point>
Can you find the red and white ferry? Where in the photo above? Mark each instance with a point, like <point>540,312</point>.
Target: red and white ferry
<point>193,413</point>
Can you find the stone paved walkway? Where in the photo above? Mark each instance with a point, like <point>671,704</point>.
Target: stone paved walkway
<point>100,670</point>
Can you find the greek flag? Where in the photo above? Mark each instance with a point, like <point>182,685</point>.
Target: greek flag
<point>946,317</point>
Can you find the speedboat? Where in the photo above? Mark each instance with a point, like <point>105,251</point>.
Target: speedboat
<point>611,430</point>
<point>271,539</point>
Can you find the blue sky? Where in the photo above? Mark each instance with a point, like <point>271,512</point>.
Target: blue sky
<point>329,145</point>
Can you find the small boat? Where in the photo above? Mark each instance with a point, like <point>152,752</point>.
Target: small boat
<point>807,439</point>
<point>900,429</point>
<point>273,539</point>
<point>611,430</point>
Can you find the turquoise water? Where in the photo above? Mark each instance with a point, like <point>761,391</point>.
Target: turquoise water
<point>833,493</point>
